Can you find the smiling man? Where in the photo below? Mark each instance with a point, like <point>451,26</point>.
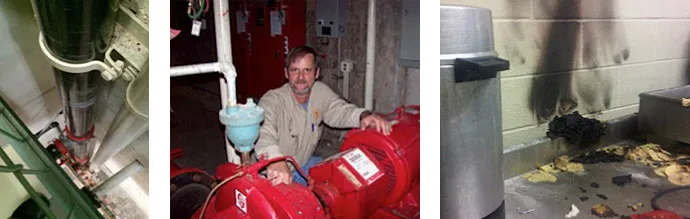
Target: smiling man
<point>295,113</point>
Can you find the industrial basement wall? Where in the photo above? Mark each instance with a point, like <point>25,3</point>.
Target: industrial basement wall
<point>587,55</point>
<point>393,85</point>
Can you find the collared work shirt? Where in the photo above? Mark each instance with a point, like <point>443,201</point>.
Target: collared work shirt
<point>290,130</point>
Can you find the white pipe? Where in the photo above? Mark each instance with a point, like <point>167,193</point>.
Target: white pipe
<point>194,69</point>
<point>221,13</point>
<point>371,53</point>
<point>224,49</point>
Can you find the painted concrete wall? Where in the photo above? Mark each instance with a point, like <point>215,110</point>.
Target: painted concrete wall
<point>394,85</point>
<point>586,55</point>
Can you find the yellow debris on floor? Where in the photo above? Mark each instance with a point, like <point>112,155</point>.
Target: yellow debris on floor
<point>675,173</point>
<point>549,168</point>
<point>539,176</point>
<point>563,163</point>
<point>686,102</point>
<point>616,149</point>
<point>650,154</point>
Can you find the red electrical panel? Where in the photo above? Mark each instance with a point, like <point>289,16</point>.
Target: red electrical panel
<point>259,55</point>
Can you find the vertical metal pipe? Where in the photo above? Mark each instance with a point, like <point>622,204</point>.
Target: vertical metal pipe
<point>119,177</point>
<point>130,122</point>
<point>224,50</point>
<point>371,57</point>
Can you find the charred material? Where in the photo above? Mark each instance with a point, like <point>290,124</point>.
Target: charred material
<point>598,157</point>
<point>620,181</point>
<point>576,129</point>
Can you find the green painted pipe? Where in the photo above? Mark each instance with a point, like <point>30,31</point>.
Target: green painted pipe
<point>18,167</point>
<point>25,183</point>
<point>45,158</point>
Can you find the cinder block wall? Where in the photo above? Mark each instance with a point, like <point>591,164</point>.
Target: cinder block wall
<point>593,56</point>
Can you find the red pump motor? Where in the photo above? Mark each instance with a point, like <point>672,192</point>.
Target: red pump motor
<point>189,188</point>
<point>374,176</point>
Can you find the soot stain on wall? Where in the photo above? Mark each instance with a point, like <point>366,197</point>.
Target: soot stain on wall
<point>549,89</point>
<point>561,93</point>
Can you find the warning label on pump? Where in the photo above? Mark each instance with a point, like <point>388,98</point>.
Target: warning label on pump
<point>241,201</point>
<point>363,165</point>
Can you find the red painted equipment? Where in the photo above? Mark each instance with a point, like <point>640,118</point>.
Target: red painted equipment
<point>258,55</point>
<point>374,176</point>
<point>189,188</point>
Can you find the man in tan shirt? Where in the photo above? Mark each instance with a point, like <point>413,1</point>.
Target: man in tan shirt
<point>295,113</point>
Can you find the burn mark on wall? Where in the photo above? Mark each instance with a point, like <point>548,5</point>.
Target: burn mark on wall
<point>563,92</point>
<point>552,88</point>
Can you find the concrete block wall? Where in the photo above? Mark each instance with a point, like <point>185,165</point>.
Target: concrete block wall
<point>592,56</point>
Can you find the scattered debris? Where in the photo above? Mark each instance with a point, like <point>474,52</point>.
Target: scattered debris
<point>583,190</point>
<point>686,102</point>
<point>620,181</point>
<point>602,196</point>
<point>636,207</point>
<point>525,211</point>
<point>603,211</point>
<point>563,163</point>
<point>675,173</point>
<point>549,168</point>
<point>566,198</point>
<point>573,211</point>
<point>576,129</point>
<point>584,198</point>
<point>594,185</point>
<point>598,156</point>
<point>539,176</point>
<point>650,155</point>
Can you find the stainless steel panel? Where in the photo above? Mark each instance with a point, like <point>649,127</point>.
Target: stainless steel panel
<point>466,32</point>
<point>471,147</point>
<point>662,114</point>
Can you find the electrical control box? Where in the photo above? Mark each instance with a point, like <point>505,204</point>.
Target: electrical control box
<point>262,34</point>
<point>331,18</point>
<point>409,42</point>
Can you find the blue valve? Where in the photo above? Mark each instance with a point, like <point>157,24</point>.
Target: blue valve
<point>242,124</point>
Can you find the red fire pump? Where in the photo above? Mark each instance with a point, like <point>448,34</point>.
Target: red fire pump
<point>374,176</point>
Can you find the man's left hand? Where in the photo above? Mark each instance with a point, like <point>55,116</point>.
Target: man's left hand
<point>376,121</point>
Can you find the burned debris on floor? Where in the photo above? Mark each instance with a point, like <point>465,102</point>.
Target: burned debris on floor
<point>620,181</point>
<point>603,211</point>
<point>594,185</point>
<point>598,157</point>
<point>635,207</point>
<point>576,129</point>
<point>602,197</point>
